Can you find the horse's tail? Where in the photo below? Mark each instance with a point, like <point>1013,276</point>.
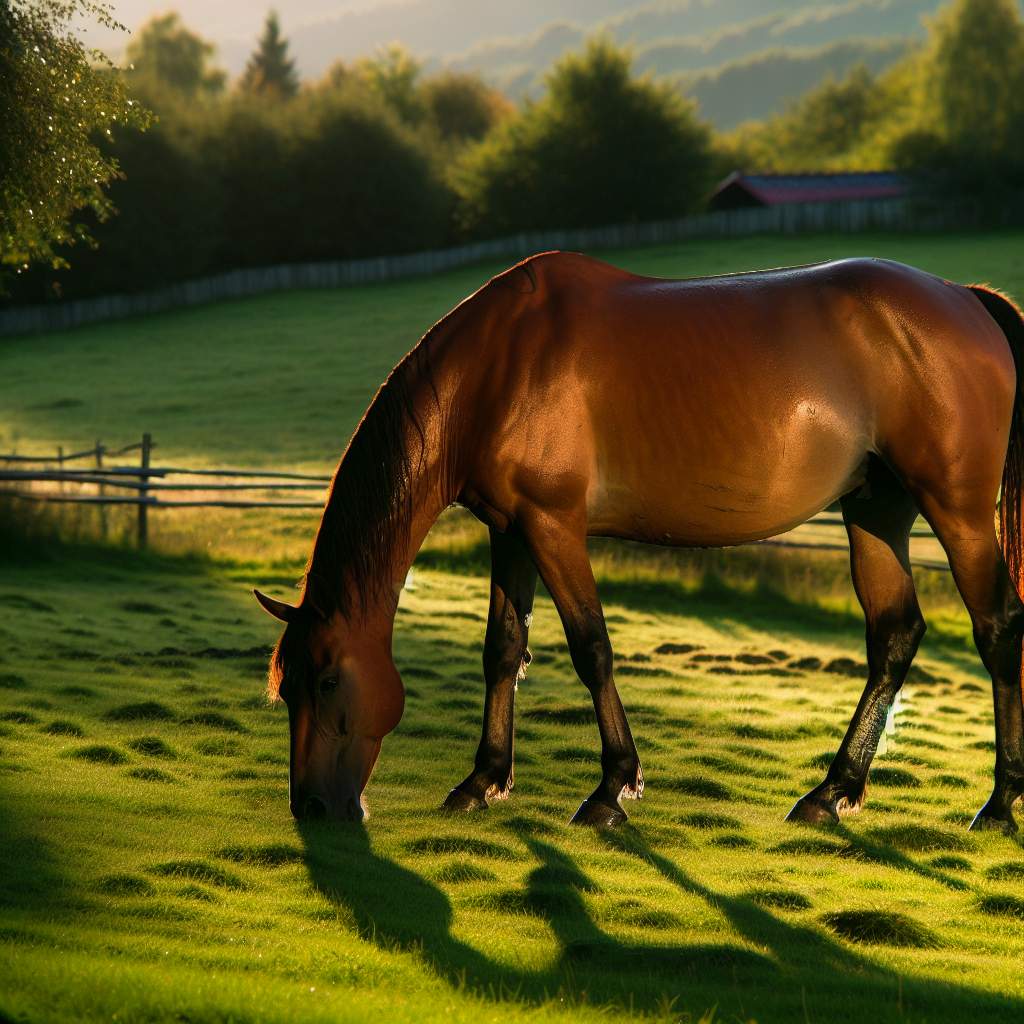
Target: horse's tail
<point>1010,318</point>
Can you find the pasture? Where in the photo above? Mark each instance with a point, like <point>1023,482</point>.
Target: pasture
<point>151,870</point>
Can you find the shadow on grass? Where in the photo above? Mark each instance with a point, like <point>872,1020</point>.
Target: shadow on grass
<point>716,586</point>
<point>32,886</point>
<point>781,971</point>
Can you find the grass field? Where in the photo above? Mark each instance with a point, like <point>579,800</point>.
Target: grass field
<point>151,870</point>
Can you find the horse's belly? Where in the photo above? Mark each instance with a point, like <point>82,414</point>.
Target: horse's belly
<point>690,502</point>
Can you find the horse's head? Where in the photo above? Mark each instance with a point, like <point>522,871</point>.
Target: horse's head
<point>344,695</point>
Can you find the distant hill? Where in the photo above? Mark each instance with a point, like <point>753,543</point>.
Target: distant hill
<point>761,85</point>
<point>739,58</point>
<point>716,48</point>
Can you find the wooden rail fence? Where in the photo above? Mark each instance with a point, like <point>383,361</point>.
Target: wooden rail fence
<point>146,483</point>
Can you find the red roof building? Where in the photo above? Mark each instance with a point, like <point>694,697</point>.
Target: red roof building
<point>741,190</point>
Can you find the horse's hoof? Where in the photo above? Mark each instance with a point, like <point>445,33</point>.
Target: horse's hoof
<point>811,811</point>
<point>460,802</point>
<point>598,815</point>
<point>984,822</point>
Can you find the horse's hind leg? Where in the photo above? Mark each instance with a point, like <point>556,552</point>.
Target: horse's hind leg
<point>559,550</point>
<point>963,522</point>
<point>513,584</point>
<point>879,529</point>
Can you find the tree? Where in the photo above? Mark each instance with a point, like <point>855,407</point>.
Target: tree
<point>270,71</point>
<point>365,183</point>
<point>600,147</point>
<point>169,55</point>
<point>977,79</point>
<point>57,100</point>
<point>461,107</point>
<point>825,127</point>
<point>394,76</point>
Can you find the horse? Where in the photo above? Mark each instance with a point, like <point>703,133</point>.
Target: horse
<point>567,398</point>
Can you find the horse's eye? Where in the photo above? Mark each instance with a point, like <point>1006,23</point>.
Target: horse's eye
<point>328,686</point>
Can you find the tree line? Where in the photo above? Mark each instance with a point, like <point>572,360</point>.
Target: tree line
<point>382,156</point>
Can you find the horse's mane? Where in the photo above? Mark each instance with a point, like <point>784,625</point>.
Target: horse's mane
<point>369,508</point>
<point>368,512</point>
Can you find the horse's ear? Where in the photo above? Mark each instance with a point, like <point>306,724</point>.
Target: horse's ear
<point>280,610</point>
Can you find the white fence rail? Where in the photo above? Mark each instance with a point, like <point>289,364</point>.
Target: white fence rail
<point>902,214</point>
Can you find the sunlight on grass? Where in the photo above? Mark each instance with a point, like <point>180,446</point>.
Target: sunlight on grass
<point>152,870</point>
<point>154,849</point>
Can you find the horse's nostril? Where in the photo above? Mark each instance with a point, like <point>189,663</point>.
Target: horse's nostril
<point>353,809</point>
<point>314,808</point>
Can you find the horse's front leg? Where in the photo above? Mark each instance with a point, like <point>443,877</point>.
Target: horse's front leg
<point>559,547</point>
<point>513,584</point>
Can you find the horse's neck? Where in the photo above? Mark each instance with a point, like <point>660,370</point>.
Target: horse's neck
<point>430,492</point>
<point>430,498</point>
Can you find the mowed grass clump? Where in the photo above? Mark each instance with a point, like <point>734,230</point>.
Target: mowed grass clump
<point>142,711</point>
<point>100,753</point>
<point>62,727</point>
<point>779,899</point>
<point>199,871</point>
<point>919,838</point>
<point>151,746</point>
<point>880,928</point>
<point>268,855</point>
<point>466,845</point>
<point>1002,905</point>
<point>126,885</point>
<point>176,884</point>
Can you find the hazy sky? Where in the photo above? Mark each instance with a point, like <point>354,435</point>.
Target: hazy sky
<point>324,30</point>
<point>221,20</point>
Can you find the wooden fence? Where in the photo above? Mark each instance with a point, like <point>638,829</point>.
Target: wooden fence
<point>900,214</point>
<point>147,482</point>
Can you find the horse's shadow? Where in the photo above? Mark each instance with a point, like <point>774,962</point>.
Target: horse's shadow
<point>804,969</point>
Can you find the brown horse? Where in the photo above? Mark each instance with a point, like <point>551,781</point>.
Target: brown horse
<point>567,398</point>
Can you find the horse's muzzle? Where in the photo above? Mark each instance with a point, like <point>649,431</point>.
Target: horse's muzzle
<point>315,808</point>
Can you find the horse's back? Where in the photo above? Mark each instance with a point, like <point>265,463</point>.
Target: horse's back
<point>724,409</point>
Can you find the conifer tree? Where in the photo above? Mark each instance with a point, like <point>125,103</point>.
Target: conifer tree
<point>270,70</point>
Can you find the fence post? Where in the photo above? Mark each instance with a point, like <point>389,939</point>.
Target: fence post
<point>144,491</point>
<point>102,490</point>
<point>60,463</point>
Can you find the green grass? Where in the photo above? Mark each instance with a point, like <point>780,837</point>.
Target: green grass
<point>290,374</point>
<point>151,869</point>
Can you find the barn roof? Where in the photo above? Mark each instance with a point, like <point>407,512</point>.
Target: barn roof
<point>775,189</point>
